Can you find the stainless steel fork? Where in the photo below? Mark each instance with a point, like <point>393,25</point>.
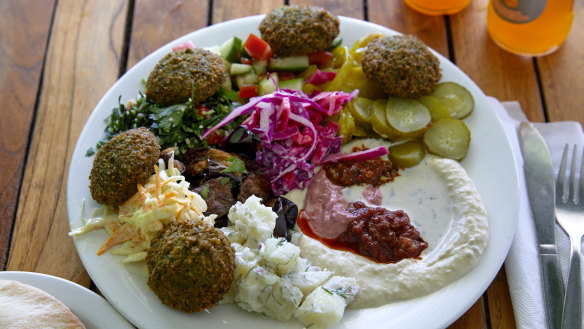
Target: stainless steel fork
<point>570,216</point>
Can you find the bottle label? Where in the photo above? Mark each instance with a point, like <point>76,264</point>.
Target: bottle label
<point>519,11</point>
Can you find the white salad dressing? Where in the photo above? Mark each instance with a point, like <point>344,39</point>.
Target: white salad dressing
<point>443,204</point>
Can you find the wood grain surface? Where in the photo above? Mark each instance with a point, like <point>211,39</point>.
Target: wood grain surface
<point>58,58</point>
<point>76,75</point>
<point>24,33</point>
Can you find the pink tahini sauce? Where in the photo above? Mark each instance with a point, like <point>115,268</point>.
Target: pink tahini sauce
<point>325,207</point>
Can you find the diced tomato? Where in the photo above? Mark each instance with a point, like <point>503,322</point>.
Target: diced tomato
<point>215,137</point>
<point>248,91</point>
<point>321,58</point>
<point>245,60</point>
<point>204,111</point>
<point>257,48</point>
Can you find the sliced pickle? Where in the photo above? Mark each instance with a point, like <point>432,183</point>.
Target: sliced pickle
<point>437,110</point>
<point>361,109</point>
<point>362,131</point>
<point>406,117</point>
<point>346,125</point>
<point>378,120</point>
<point>448,138</point>
<point>457,99</point>
<point>407,154</point>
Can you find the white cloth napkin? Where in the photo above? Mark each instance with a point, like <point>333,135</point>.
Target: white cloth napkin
<point>522,263</point>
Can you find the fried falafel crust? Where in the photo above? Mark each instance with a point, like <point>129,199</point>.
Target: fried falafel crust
<point>299,30</point>
<point>190,266</point>
<point>186,73</point>
<point>402,65</point>
<point>121,163</point>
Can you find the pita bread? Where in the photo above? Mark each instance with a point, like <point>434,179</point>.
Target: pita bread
<point>24,306</point>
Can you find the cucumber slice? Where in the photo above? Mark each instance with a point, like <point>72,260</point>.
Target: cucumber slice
<point>293,84</point>
<point>448,138</point>
<point>267,85</point>
<point>249,78</point>
<point>378,120</point>
<point>407,154</point>
<point>437,110</point>
<point>457,99</point>
<point>292,63</point>
<point>214,49</point>
<point>361,109</point>
<point>407,117</point>
<point>237,69</point>
<point>260,66</point>
<point>231,49</point>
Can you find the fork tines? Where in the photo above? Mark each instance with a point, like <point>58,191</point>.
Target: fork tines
<point>575,188</point>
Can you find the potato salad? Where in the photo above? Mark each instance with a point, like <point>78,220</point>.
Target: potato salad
<point>272,279</point>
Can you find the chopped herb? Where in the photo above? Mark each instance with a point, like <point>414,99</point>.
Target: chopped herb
<point>179,126</point>
<point>343,293</point>
<point>280,242</point>
<point>205,192</point>
<point>236,165</point>
<point>90,152</point>
<point>224,180</point>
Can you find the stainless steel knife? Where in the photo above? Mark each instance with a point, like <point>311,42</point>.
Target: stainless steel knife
<point>539,179</point>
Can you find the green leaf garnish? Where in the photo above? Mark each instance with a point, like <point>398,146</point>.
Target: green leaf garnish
<point>236,165</point>
<point>205,192</point>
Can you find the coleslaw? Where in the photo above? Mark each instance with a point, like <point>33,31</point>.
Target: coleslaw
<point>164,198</point>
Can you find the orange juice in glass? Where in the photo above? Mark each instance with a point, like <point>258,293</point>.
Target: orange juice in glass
<point>529,27</point>
<point>437,7</point>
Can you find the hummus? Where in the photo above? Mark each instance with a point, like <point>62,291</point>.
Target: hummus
<point>444,205</point>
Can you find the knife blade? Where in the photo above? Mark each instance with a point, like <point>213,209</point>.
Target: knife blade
<point>540,183</point>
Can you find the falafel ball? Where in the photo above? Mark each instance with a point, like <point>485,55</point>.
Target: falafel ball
<point>402,65</point>
<point>182,73</point>
<point>299,30</point>
<point>121,163</point>
<point>190,266</point>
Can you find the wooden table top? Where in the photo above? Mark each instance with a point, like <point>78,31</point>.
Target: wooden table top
<point>58,58</point>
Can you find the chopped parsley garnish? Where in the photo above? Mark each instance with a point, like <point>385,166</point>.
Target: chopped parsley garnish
<point>179,126</point>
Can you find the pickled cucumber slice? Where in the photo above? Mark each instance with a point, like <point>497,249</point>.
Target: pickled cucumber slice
<point>362,131</point>
<point>346,125</point>
<point>448,138</point>
<point>437,110</point>
<point>406,117</point>
<point>407,154</point>
<point>361,109</point>
<point>378,120</point>
<point>457,99</point>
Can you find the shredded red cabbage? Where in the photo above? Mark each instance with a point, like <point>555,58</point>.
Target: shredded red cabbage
<point>294,140</point>
<point>319,77</point>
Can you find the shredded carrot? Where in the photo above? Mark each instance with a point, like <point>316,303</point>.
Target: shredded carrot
<point>142,193</point>
<point>178,211</point>
<point>122,234</point>
<point>170,194</point>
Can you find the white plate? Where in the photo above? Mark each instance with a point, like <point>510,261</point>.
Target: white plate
<point>94,311</point>
<point>489,162</point>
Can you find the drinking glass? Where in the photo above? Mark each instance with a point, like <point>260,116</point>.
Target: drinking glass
<point>437,7</point>
<point>529,27</point>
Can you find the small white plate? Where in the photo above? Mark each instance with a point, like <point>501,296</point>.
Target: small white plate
<point>94,311</point>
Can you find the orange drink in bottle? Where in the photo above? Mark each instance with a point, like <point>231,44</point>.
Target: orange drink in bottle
<point>529,27</point>
<point>437,7</point>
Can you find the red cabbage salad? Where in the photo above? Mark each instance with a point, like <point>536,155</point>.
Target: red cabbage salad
<point>294,134</point>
